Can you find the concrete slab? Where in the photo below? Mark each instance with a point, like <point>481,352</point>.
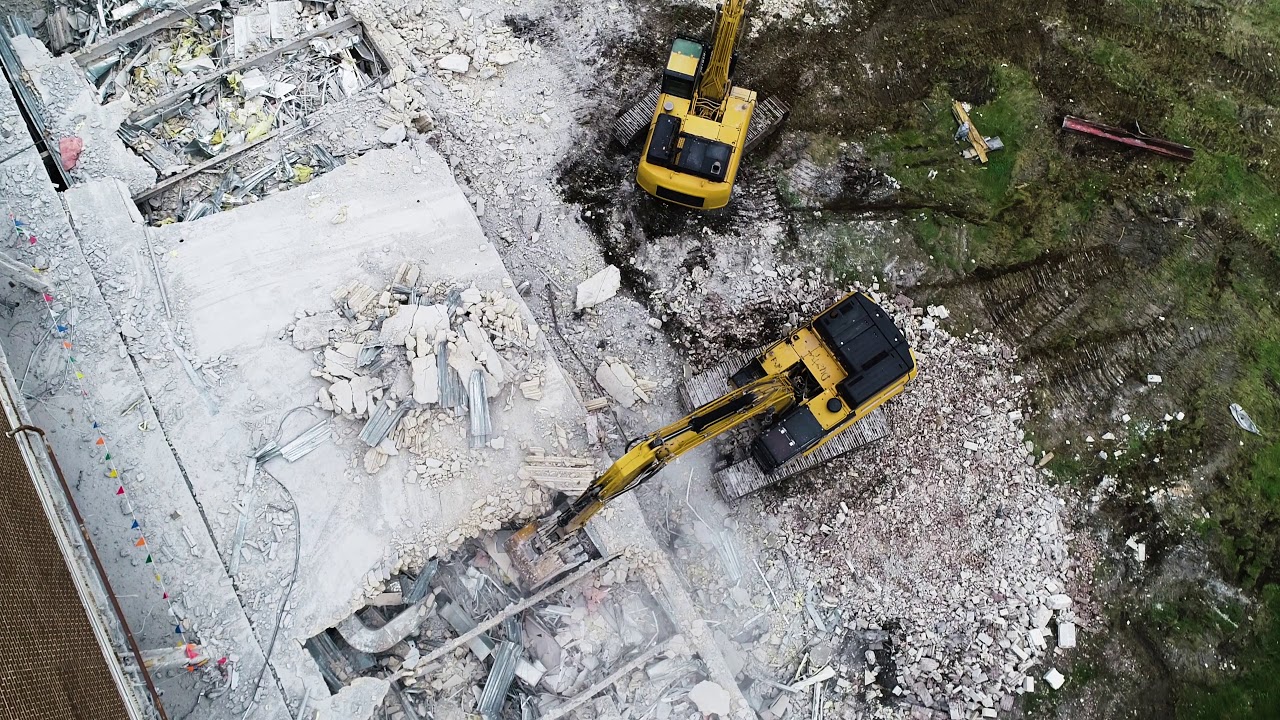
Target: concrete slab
<point>73,110</point>
<point>14,135</point>
<point>205,603</point>
<point>234,282</point>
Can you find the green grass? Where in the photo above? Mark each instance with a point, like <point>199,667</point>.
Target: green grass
<point>924,157</point>
<point>1254,691</point>
<point>1158,63</point>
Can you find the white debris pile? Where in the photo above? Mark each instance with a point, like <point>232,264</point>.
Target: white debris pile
<point>414,362</point>
<point>958,544</point>
<point>558,650</point>
<point>622,383</point>
<point>452,41</point>
<point>708,309</point>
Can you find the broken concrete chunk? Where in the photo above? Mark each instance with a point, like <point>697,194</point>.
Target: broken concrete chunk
<point>710,698</point>
<point>599,287</point>
<point>341,393</point>
<point>430,319</point>
<point>616,381</point>
<point>1054,678</point>
<point>312,332</point>
<point>1058,602</point>
<point>325,400</point>
<point>454,63</point>
<point>361,387</point>
<point>1066,635</point>
<point>426,380</point>
<point>394,135</point>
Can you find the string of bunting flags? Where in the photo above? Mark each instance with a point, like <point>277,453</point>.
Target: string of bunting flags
<point>64,333</point>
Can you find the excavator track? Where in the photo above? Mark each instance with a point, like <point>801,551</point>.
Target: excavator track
<point>746,477</point>
<point>630,124</point>
<point>765,120</point>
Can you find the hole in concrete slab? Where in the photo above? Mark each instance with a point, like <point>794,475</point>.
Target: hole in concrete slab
<point>603,641</point>
<point>246,129</point>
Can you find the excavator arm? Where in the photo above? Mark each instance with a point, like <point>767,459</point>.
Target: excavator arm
<point>714,87</point>
<point>547,546</point>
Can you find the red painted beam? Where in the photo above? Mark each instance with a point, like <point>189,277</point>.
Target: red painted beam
<point>1120,135</point>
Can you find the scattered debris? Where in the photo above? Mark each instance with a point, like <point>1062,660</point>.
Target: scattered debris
<point>598,288</point>
<point>621,382</point>
<point>968,132</point>
<point>1243,420</point>
<point>710,698</point>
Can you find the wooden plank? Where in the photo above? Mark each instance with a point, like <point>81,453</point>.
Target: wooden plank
<point>103,48</point>
<point>182,92</point>
<point>158,188</point>
<point>975,137</point>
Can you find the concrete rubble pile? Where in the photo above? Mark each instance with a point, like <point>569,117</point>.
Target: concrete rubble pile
<point>622,383</point>
<point>708,310</point>
<point>555,658</point>
<point>160,63</point>
<point>412,362</point>
<point>449,41</point>
<point>953,568</point>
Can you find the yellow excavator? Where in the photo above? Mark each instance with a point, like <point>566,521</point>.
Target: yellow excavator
<point>699,129</point>
<point>805,391</point>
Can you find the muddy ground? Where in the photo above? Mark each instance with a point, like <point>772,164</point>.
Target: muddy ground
<point>1102,265</point>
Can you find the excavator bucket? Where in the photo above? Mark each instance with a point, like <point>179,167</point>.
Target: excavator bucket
<point>539,555</point>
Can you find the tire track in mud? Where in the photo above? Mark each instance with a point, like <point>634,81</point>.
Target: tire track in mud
<point>1087,323</point>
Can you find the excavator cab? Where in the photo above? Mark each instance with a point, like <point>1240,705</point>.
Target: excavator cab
<point>858,359</point>
<point>684,69</point>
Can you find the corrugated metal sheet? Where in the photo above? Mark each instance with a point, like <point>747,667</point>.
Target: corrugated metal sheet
<point>309,440</point>
<point>382,421</point>
<point>478,409</point>
<point>501,676</point>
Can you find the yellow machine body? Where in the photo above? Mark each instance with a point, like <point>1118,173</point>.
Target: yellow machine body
<point>806,389</point>
<point>698,133</point>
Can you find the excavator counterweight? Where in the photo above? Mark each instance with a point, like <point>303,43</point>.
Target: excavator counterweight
<point>804,391</point>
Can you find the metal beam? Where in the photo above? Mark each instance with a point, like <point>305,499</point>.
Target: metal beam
<point>585,696</point>
<point>519,607</point>
<point>344,24</point>
<point>172,182</point>
<point>1120,135</point>
<point>103,48</point>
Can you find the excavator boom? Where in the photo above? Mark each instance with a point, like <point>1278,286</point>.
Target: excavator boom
<point>714,88</point>
<point>533,548</point>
